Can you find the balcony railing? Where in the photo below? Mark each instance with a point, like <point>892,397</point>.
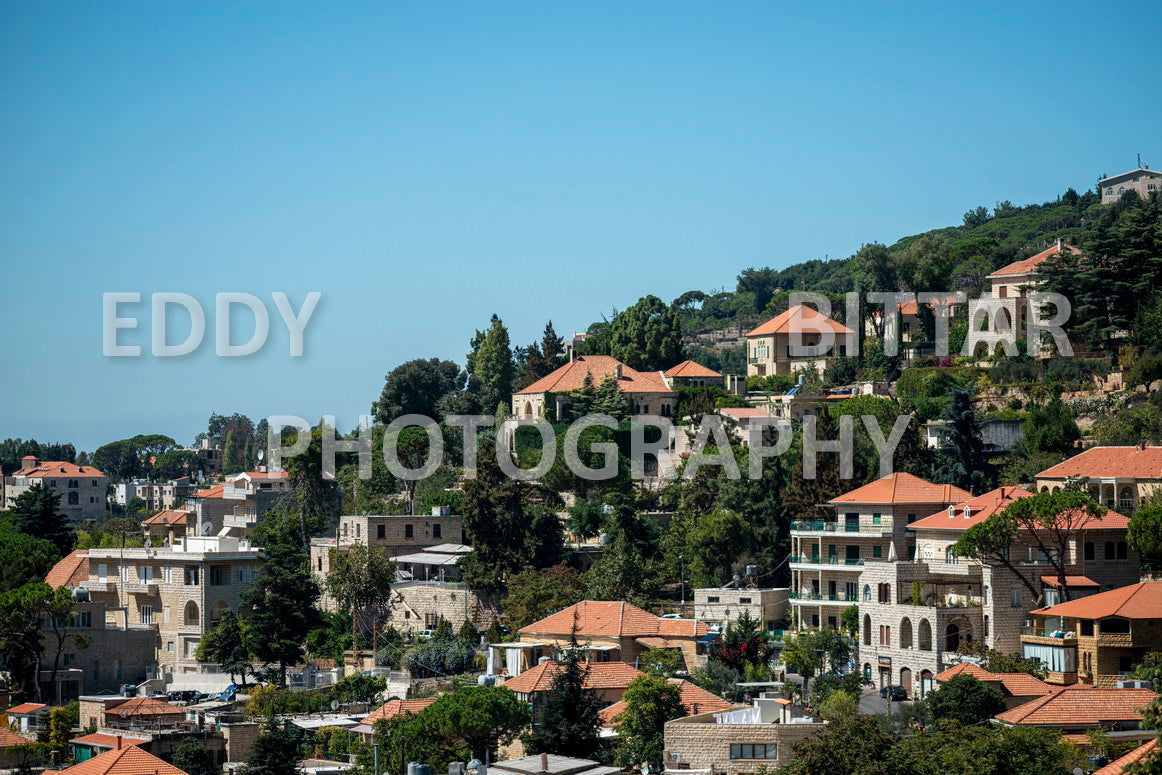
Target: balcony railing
<point>833,527</point>
<point>812,560</point>
<point>1049,632</point>
<point>823,597</point>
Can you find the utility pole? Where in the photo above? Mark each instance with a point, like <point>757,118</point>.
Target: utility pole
<point>682,580</point>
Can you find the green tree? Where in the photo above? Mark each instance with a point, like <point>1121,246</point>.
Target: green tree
<point>1051,428</point>
<point>539,360</point>
<point>417,387</point>
<point>482,717</point>
<point>496,525</point>
<point>853,744</point>
<point>850,619</point>
<point>568,723</point>
<point>226,645</point>
<point>650,702</point>
<point>360,582</point>
<point>716,542</point>
<point>1145,535</point>
<point>360,688</point>
<point>36,512</point>
<point>965,700</point>
<point>661,661</point>
<point>231,455</point>
<point>277,750</point>
<point>534,594</point>
<point>491,370</point>
<point>964,462</point>
<point>609,399</point>
<point>59,729</point>
<point>647,336</point>
<point>23,558</point>
<point>193,759</point>
<point>810,652</point>
<point>586,517</point>
<point>282,606</point>
<point>29,615</point>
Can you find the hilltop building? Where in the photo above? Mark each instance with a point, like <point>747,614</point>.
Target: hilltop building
<point>81,488</point>
<point>769,346</point>
<point>1143,180</point>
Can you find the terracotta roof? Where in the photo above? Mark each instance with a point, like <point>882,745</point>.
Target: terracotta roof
<point>984,506</point>
<point>601,675</point>
<point>1104,462</point>
<point>25,708</point>
<point>59,468</point>
<point>130,760</point>
<point>145,706</point>
<point>1080,706</point>
<point>571,376</point>
<point>262,475</point>
<point>798,318</point>
<point>167,517</point>
<point>70,571</point>
<point>213,492</point>
<point>695,700</point>
<point>743,412</point>
<point>691,369</point>
<point>1011,684</point>
<point>9,739</point>
<point>1027,265</point>
<point>1118,766</point>
<point>616,619</point>
<point>965,668</point>
<point>1137,601</point>
<point>102,740</point>
<point>654,642</point>
<point>903,487</point>
<point>1080,582</point>
<point>393,708</point>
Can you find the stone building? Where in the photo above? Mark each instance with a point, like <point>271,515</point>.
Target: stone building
<point>1143,180</point>
<point>429,591</point>
<point>871,524</point>
<point>721,606</point>
<point>738,742</point>
<point>772,348</point>
<point>649,392</point>
<point>81,488</point>
<point>1017,688</point>
<point>917,613</point>
<point>1119,477</point>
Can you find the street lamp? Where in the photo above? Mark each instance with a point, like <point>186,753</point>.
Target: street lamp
<point>682,580</point>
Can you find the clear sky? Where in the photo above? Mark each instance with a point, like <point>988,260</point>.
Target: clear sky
<point>424,165</point>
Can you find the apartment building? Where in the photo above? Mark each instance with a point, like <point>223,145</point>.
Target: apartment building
<point>81,488</point>
<point>871,524</point>
<point>1098,638</point>
<point>1143,180</point>
<point>917,613</point>
<point>157,496</point>
<point>397,533</point>
<point>776,346</point>
<point>721,606</point>
<point>1119,477</point>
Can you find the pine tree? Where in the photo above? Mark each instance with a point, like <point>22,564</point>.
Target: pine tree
<point>964,461</point>
<point>192,759</point>
<point>568,723</point>
<point>585,397</point>
<point>226,645</point>
<point>282,605</point>
<point>490,366</point>
<point>609,399</point>
<point>36,512</point>
<point>230,454</point>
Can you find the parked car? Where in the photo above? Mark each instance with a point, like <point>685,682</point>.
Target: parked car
<point>897,693</point>
<point>185,695</point>
<point>423,634</point>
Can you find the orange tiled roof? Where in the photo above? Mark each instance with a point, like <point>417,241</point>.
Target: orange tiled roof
<point>695,700</point>
<point>59,468</point>
<point>903,487</point>
<point>612,619</point>
<point>1027,265</point>
<point>26,708</point>
<point>1102,462</point>
<point>213,492</point>
<point>262,475</point>
<point>798,318</point>
<point>393,708</point>
<point>69,571</point>
<point>102,740</point>
<point>1080,582</point>
<point>9,739</point>
<point>600,675</point>
<point>571,376</point>
<point>1080,706</point>
<point>130,760</point>
<point>691,369</point>
<point>965,668</point>
<point>984,506</point>
<point>743,412</point>
<point>145,706</point>
<point>167,517</point>
<point>1012,684</point>
<point>1137,601</point>
<point>1118,766</point>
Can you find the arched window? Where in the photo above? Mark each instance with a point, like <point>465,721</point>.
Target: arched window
<point>949,557</point>
<point>74,499</point>
<point>906,633</point>
<point>925,637</point>
<point>867,593</point>
<point>952,637</point>
<point>866,630</point>
<point>1121,190</point>
<point>191,614</point>
<point>1110,191</point>
<point>74,484</point>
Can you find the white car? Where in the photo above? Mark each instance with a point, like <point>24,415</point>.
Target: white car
<point>424,635</point>
<point>670,616</point>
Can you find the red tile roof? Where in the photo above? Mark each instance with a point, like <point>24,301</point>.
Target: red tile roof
<point>600,675</point>
<point>612,619</point>
<point>903,487</point>
<point>984,506</point>
<point>1118,766</point>
<point>1104,462</point>
<point>213,492</point>
<point>1080,706</point>
<point>1027,265</point>
<point>58,468</point>
<point>743,412</point>
<point>393,708</point>
<point>145,706</point>
<point>102,740</point>
<point>695,700</point>
<point>1137,601</point>
<point>798,318</point>
<point>1012,684</point>
<point>691,369</point>
<point>70,571</point>
<point>130,760</point>
<point>26,708</point>
<point>167,517</point>
<point>9,739</point>
<point>571,376</point>
<point>1080,582</point>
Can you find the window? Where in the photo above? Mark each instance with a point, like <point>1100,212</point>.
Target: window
<point>191,617</point>
<point>169,646</point>
<point>885,635</point>
<point>754,751</point>
<point>381,532</point>
<point>358,527</point>
<point>144,574</point>
<point>877,519</point>
<point>1089,550</point>
<point>165,615</point>
<point>409,531</point>
<point>1086,627</point>
<point>147,614</point>
<point>437,530</point>
<point>877,551</point>
<point>191,577</point>
<point>867,593</point>
<point>1016,601</point>
<point>70,659</point>
<point>744,601</point>
<point>712,599</point>
<point>1123,550</point>
<point>246,575</point>
<point>82,619</point>
<point>74,499</point>
<point>1119,626</point>
<point>986,625</point>
<point>911,518</point>
<point>1110,191</point>
<point>1109,550</point>
<point>949,557</point>
<point>219,576</point>
<point>73,484</point>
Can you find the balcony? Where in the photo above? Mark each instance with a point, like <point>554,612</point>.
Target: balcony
<point>148,587</point>
<point>837,528</point>
<point>836,563</point>
<point>1048,636</point>
<point>818,598</point>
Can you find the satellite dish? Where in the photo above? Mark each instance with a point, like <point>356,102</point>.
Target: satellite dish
<point>148,542</point>
<point>334,705</point>
<point>207,528</point>
<point>261,454</point>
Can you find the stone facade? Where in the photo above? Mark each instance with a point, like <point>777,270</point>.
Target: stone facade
<point>724,606</point>
<point>1143,180</point>
<point>713,742</point>
<point>81,488</point>
<point>419,605</point>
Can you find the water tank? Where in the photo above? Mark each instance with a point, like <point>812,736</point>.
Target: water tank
<point>423,769</point>
<point>81,594</point>
<point>485,680</point>
<point>752,570</point>
<point>456,768</point>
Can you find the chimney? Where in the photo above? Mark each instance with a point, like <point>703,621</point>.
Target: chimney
<point>118,742</point>
<point>29,461</point>
<point>617,371</point>
<point>1060,244</point>
<point>544,762</point>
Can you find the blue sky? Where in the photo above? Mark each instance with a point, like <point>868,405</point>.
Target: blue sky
<point>424,165</point>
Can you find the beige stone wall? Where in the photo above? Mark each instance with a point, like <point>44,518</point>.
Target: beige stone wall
<point>766,606</point>
<point>91,498</point>
<point>420,606</point>
<point>705,745</point>
<point>1140,183</point>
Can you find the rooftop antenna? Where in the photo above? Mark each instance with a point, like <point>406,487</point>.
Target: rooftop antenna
<point>1139,161</point>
